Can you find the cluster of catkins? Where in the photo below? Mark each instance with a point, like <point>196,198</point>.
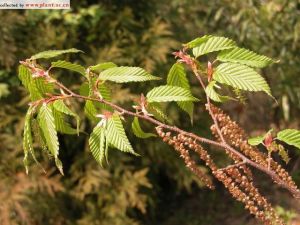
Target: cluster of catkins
<point>242,189</point>
<point>235,136</point>
<point>181,144</point>
<point>237,178</point>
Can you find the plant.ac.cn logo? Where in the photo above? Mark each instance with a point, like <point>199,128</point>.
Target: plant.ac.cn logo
<point>35,4</point>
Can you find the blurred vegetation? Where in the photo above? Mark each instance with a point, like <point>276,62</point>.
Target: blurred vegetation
<point>155,188</point>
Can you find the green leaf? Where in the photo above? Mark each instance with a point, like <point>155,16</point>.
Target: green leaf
<point>241,76</point>
<point>53,53</point>
<point>126,74</point>
<point>89,107</point>
<point>27,81</point>
<point>43,86</point>
<point>213,44</point>
<point>213,95</point>
<point>97,143</point>
<point>69,66</point>
<point>37,87</point>
<point>27,140</point>
<point>177,77</point>
<point>188,107</point>
<point>84,89</point>
<point>157,111</point>
<point>116,135</point>
<point>256,140</point>
<point>197,41</point>
<point>90,110</point>
<point>61,125</point>
<point>137,130</point>
<point>38,135</point>
<point>102,66</point>
<point>105,92</point>
<point>244,56</point>
<point>47,125</point>
<point>169,93</point>
<point>290,136</point>
<point>60,106</point>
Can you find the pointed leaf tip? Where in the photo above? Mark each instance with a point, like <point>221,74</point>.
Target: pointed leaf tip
<point>97,143</point>
<point>116,135</point>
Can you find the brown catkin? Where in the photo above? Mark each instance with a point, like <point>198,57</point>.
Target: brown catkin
<point>179,145</point>
<point>243,190</point>
<point>236,136</point>
<point>235,158</point>
<point>203,154</point>
<point>237,178</point>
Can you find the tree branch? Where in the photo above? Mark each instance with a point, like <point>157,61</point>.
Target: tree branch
<point>223,145</point>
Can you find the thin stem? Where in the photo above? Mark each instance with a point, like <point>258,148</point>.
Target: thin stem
<point>232,166</point>
<point>61,86</point>
<point>209,107</point>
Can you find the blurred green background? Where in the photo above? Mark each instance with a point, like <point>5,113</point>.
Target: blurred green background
<point>155,188</point>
